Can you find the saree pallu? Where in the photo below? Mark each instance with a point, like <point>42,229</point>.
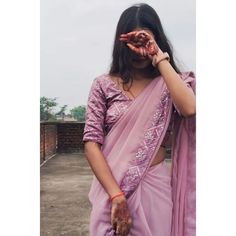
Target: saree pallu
<point>184,172</point>
<point>129,149</point>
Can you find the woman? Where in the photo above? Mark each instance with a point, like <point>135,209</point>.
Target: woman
<point>131,114</point>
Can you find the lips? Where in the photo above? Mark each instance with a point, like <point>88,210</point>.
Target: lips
<point>140,59</point>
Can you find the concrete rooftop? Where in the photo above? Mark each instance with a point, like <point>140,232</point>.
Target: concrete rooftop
<point>65,208</point>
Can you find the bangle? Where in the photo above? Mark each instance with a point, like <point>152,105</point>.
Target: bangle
<point>117,195</point>
<point>156,59</point>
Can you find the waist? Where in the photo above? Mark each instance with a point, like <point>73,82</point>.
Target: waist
<point>160,156</point>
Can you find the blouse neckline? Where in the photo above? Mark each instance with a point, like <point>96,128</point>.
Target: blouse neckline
<point>123,93</point>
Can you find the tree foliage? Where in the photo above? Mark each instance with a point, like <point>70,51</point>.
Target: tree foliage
<point>46,108</point>
<point>47,105</point>
<point>79,113</point>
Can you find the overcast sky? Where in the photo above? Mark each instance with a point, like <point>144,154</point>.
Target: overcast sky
<point>68,66</point>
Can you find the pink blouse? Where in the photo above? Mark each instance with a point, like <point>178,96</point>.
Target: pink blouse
<point>106,102</point>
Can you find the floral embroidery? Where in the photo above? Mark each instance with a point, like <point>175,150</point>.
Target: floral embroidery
<point>149,135</point>
<point>106,103</point>
<point>140,155</point>
<point>144,153</point>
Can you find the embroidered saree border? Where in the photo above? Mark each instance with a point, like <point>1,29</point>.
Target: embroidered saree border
<point>151,141</point>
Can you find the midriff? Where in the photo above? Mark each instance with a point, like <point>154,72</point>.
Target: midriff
<point>160,156</point>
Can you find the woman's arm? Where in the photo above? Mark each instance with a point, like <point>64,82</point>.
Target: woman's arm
<point>93,138</point>
<point>120,217</point>
<point>100,168</point>
<point>182,96</point>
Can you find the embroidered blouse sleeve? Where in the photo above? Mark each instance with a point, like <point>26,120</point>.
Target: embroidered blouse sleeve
<point>95,114</point>
<point>189,79</point>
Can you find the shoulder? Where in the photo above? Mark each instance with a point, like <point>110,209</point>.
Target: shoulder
<point>103,79</point>
<point>106,81</point>
<point>99,81</point>
<point>103,84</point>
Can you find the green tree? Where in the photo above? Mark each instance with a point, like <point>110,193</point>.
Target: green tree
<point>46,108</point>
<point>78,113</point>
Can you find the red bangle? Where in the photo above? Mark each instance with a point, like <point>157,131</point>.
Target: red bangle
<point>117,195</point>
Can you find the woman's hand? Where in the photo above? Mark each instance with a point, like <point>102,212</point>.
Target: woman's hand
<point>120,216</point>
<point>141,42</point>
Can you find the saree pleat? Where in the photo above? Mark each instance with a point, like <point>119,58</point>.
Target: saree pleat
<point>152,194</point>
<point>150,207</point>
<point>155,204</point>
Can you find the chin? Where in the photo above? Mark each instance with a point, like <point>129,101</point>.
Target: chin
<point>142,64</point>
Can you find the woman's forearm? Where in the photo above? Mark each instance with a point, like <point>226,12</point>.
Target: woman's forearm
<point>100,168</point>
<point>182,96</point>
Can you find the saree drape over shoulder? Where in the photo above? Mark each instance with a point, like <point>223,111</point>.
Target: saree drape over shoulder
<point>160,203</point>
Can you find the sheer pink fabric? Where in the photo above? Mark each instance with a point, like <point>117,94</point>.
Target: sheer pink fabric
<point>129,148</point>
<point>184,173</point>
<point>106,103</point>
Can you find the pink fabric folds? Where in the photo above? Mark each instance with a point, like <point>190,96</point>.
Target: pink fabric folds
<point>151,204</point>
<point>129,148</point>
<point>184,172</point>
<point>150,207</point>
<point>131,143</point>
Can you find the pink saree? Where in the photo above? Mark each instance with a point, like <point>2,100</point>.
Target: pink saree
<point>129,148</point>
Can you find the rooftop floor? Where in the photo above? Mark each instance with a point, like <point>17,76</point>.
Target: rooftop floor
<point>65,208</point>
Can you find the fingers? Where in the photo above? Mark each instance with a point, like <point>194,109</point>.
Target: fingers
<point>141,42</point>
<point>132,33</point>
<point>133,48</point>
<point>120,218</point>
<point>113,218</point>
<point>140,35</point>
<point>137,33</point>
<point>129,37</point>
<point>122,222</point>
<point>123,228</point>
<point>139,50</point>
<point>114,226</point>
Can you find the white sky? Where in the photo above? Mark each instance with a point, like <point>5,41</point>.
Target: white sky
<point>68,66</point>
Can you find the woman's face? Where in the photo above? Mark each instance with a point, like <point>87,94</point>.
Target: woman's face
<point>137,61</point>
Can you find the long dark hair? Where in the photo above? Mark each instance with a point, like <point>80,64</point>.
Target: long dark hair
<point>137,16</point>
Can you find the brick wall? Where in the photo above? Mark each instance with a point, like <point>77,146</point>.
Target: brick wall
<point>48,140</point>
<point>41,143</point>
<point>70,137</point>
<point>61,137</point>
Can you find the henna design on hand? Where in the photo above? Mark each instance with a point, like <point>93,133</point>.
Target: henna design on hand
<point>120,217</point>
<point>141,42</point>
